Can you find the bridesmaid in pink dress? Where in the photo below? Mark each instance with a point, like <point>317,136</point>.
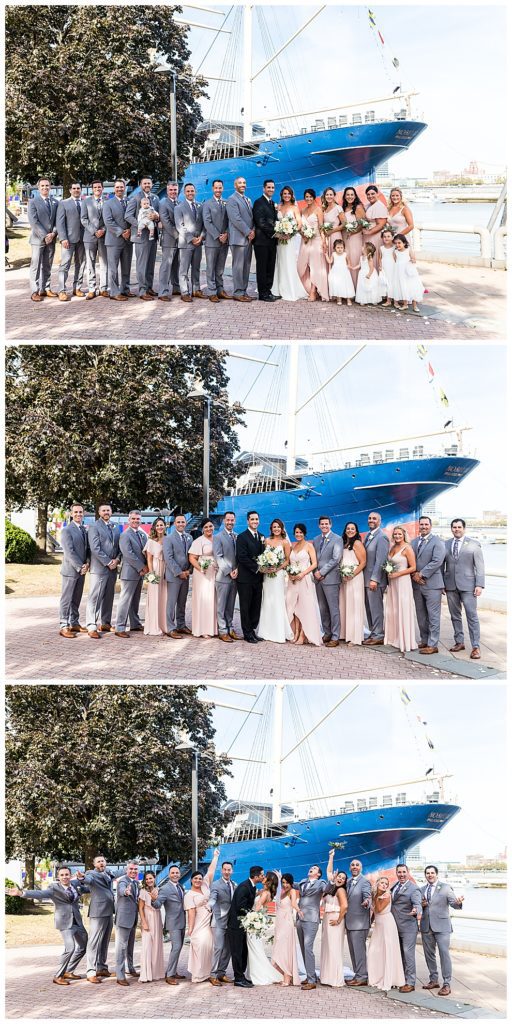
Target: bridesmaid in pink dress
<point>352,587</point>
<point>399,214</point>
<point>152,966</point>
<point>204,597</point>
<point>385,968</point>
<point>377,214</point>
<point>301,600</point>
<point>199,916</point>
<point>156,595</point>
<point>284,950</point>
<point>352,210</point>
<point>400,616</point>
<point>333,928</point>
<point>311,264</point>
<point>332,215</point>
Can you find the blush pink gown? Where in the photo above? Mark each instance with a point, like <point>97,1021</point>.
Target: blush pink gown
<point>201,939</point>
<point>353,247</point>
<point>284,949</point>
<point>384,960</point>
<point>332,947</point>
<point>152,966</point>
<point>377,211</point>
<point>399,224</point>
<point>204,598</point>
<point>400,616</point>
<point>301,599</point>
<point>156,593</point>
<point>352,603</point>
<point>311,264</point>
<point>332,217</point>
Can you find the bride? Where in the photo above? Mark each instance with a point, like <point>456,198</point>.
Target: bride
<point>274,624</point>
<point>287,282</point>
<point>259,968</point>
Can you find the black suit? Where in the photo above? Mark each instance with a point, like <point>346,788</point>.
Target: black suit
<point>249,581</point>
<point>265,246</point>
<point>243,901</point>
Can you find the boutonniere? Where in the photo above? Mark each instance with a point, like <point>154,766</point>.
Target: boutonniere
<point>438,886</point>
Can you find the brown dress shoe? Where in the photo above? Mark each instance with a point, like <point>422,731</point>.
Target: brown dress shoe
<point>406,988</point>
<point>444,991</point>
<point>307,985</point>
<point>79,294</point>
<point>358,982</point>
<point>225,980</point>
<point>475,653</point>
<point>185,630</point>
<point>198,295</point>
<point>171,981</point>
<point>226,638</point>
<point>50,294</point>
<point>125,983</point>
<point>215,981</point>
<point>130,295</point>
<point>233,635</point>
<point>457,647</point>
<point>373,641</point>
<point>146,298</point>
<point>175,635</point>
<point>134,974</point>
<point>186,298</point>
<point>123,636</point>
<point>78,629</point>
<point>326,638</point>
<point>94,979</point>
<point>164,298</point>
<point>152,292</point>
<point>64,297</point>
<point>74,977</point>
<point>214,298</point>
<point>242,298</point>
<point>105,295</point>
<point>432,984</point>
<point>94,635</point>
<point>421,647</point>
<point>106,629</point>
<point>105,974</point>
<point>60,981</point>
<point>91,295</point>
<point>332,643</point>
<point>36,297</point>
<point>429,650</point>
<point>224,295</point>
<point>136,629</point>
<point>67,632</point>
<point>119,298</point>
<point>180,977</point>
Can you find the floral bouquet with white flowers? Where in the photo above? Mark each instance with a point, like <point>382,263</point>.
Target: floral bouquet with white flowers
<point>152,577</point>
<point>293,570</point>
<point>270,558</point>
<point>327,227</point>
<point>347,571</point>
<point>256,922</point>
<point>307,232</point>
<point>285,229</point>
<point>205,563</point>
<point>390,566</point>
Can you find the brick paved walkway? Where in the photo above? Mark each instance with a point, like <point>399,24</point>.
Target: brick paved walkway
<point>34,650</point>
<point>462,303</point>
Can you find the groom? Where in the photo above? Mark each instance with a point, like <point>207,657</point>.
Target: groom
<point>265,245</point>
<point>241,903</point>
<point>249,545</point>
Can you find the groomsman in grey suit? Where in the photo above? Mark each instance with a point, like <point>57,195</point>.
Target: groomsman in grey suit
<point>71,234</point>
<point>428,585</point>
<point>188,217</point>
<point>311,890</point>
<point>64,894</point>
<point>168,280</point>
<point>241,236</point>
<point>406,910</point>
<point>436,927</point>
<point>375,580</point>
<point>145,247</point>
<point>42,214</point>
<point>127,912</point>
<point>357,922</point>
<point>221,894</point>
<point>101,917</point>
<point>94,240</point>
<point>464,580</point>
<point>224,553</point>
<point>118,243</point>
<point>177,571</point>
<point>75,564</point>
<point>171,896</point>
<point>329,552</point>
<point>132,542</point>
<point>103,540</point>
<point>215,220</point>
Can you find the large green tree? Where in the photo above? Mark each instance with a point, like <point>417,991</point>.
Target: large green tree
<point>115,423</point>
<point>95,768</point>
<point>83,96</point>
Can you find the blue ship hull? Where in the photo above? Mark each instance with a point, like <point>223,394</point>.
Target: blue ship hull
<point>397,490</point>
<point>333,156</point>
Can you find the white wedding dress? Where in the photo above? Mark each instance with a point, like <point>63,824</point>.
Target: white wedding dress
<point>274,624</point>
<point>259,969</point>
<point>287,282</point>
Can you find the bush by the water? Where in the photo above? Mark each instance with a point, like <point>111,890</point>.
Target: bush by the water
<point>14,904</point>
<point>19,545</point>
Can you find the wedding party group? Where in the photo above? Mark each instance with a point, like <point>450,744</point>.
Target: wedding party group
<point>341,252</point>
<point>331,590</point>
<point>227,922</point>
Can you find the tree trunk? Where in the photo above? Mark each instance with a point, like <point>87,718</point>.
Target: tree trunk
<point>30,868</point>
<point>90,851</point>
<point>42,526</point>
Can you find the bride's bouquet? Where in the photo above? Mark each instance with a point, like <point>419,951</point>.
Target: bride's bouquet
<point>285,229</point>
<point>271,558</point>
<point>307,232</point>
<point>256,922</point>
<point>205,563</point>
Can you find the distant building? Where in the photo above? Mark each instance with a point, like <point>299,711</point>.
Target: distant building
<point>475,860</point>
<point>491,515</point>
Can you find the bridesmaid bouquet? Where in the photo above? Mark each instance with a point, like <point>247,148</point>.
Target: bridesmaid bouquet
<point>205,563</point>
<point>351,226</point>
<point>285,229</point>
<point>390,566</point>
<point>152,577</point>
<point>326,227</point>
<point>347,571</point>
<point>307,232</point>
<point>270,559</point>
<point>293,570</point>
<point>256,922</point>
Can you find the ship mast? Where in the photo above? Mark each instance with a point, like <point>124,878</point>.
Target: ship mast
<point>293,381</point>
<point>277,740</point>
<point>247,84</point>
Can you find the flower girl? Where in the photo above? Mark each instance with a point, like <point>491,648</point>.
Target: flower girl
<point>341,285</point>
<point>386,265</point>
<point>407,285</point>
<point>368,291</point>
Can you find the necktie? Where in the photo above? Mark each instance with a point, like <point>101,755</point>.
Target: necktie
<point>141,537</point>
<point>421,544</point>
<point>248,201</point>
<point>72,895</point>
<point>322,544</point>
<point>99,205</point>
<point>184,542</point>
<point>429,892</point>
<point>84,535</point>
<point>233,539</point>
<point>48,207</point>
<point>180,890</point>
<point>123,204</point>
<point>193,208</point>
<point>77,201</point>
<point>110,532</point>
<point>456,550</point>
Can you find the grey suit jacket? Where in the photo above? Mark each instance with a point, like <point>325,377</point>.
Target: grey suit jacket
<point>66,914</point>
<point>215,219</point>
<point>171,899</point>
<point>115,221</point>
<point>430,562</point>
<point>132,212</point>
<point>377,551</point>
<point>224,553</point>
<point>468,571</point>
<point>131,550</point>
<point>309,902</point>
<point>69,222</point>
<point>220,901</point>
<point>175,556</point>
<point>329,559</point>
<point>76,550</point>
<point>168,231</point>
<point>127,907</point>
<point>357,917</point>
<point>101,890</point>
<point>241,221</point>
<point>39,220</point>
<point>436,915</point>
<point>92,220</point>
<point>402,904</point>
<point>102,549</point>
<point>187,225</point>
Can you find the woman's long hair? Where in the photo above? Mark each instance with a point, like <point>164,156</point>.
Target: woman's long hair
<point>345,203</point>
<point>281,525</point>
<point>152,532</point>
<point>270,883</point>
<point>350,541</point>
<point>328,188</point>
<point>288,188</point>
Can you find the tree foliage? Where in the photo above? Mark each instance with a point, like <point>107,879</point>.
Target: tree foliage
<point>95,768</point>
<point>83,95</point>
<point>20,547</point>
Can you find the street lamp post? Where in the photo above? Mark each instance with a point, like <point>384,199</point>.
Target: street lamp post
<point>187,744</point>
<point>198,391</point>
<point>172,119</point>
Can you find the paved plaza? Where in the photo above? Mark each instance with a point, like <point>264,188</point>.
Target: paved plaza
<point>462,303</point>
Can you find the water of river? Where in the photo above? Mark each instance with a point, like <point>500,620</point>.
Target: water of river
<point>481,901</point>
<point>495,558</point>
<point>465,214</point>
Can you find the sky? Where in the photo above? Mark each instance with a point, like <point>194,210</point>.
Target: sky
<point>453,56</point>
<point>384,393</point>
<point>375,739</point>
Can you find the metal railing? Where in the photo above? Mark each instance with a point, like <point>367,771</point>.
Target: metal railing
<point>492,244</point>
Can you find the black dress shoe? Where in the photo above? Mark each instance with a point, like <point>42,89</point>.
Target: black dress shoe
<point>249,640</point>
<point>243,983</point>
<point>259,639</point>
<point>275,298</point>
<point>266,298</point>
